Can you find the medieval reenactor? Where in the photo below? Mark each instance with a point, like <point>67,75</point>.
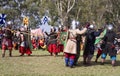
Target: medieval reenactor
<point>62,37</point>
<point>16,40</point>
<point>34,42</point>
<point>60,45</point>
<point>78,47</point>
<point>7,40</point>
<point>118,41</point>
<point>109,40</point>
<point>70,48</point>
<point>41,43</point>
<point>89,45</point>
<point>99,43</point>
<point>52,42</point>
<point>24,44</point>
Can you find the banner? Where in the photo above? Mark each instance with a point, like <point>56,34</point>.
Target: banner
<point>2,18</point>
<point>26,21</point>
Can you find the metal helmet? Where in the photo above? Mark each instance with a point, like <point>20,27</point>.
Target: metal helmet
<point>91,26</point>
<point>110,27</point>
<point>74,24</point>
<point>9,23</point>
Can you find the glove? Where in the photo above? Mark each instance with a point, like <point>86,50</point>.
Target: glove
<point>87,25</point>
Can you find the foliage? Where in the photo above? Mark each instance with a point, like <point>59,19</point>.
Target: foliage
<point>99,11</point>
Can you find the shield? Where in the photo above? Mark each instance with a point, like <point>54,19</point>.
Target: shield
<point>63,38</point>
<point>98,39</point>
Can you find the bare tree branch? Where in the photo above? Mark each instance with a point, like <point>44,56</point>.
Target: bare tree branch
<point>69,8</point>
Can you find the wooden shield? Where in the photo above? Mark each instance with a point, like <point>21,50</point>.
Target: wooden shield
<point>63,37</point>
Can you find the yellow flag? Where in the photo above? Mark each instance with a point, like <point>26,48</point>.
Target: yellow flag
<point>25,21</point>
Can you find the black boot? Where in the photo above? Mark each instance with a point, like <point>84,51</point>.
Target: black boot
<point>3,55</point>
<point>10,54</point>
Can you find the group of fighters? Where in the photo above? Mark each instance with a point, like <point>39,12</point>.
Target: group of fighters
<point>9,37</point>
<point>107,43</point>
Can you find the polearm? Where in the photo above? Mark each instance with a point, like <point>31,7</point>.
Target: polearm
<point>42,36</point>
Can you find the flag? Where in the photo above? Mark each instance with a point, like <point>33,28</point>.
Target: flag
<point>25,21</point>
<point>45,20</point>
<point>2,18</point>
<point>98,39</point>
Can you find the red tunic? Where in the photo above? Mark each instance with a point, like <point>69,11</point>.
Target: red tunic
<point>24,48</point>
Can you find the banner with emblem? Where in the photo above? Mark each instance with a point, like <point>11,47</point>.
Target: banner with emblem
<point>3,18</point>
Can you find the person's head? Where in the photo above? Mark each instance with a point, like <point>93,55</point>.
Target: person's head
<point>9,24</point>
<point>87,24</point>
<point>100,30</point>
<point>60,28</point>
<point>64,28</point>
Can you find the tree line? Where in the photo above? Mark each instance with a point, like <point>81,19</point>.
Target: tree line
<point>63,11</point>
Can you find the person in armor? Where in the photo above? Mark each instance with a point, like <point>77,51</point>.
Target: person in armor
<point>78,47</point>
<point>109,40</point>
<point>7,40</point>
<point>70,48</point>
<point>99,43</point>
<point>118,45</point>
<point>88,53</point>
<point>60,46</point>
<point>34,44</point>
<point>24,47</point>
<point>52,42</point>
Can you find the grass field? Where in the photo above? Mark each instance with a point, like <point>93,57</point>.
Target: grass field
<point>42,64</point>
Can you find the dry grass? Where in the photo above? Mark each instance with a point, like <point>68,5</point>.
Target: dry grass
<point>41,64</point>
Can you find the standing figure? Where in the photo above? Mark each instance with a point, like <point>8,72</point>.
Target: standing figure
<point>89,46</point>
<point>109,40</point>
<point>52,42</point>
<point>78,47</point>
<point>42,43</point>
<point>1,37</point>
<point>24,46</point>
<point>7,41</point>
<point>70,48</point>
<point>60,46</point>
<point>100,44</point>
<point>34,44</point>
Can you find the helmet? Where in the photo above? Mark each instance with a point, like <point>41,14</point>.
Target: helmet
<point>75,24</point>
<point>9,22</point>
<point>110,27</point>
<point>91,26</point>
